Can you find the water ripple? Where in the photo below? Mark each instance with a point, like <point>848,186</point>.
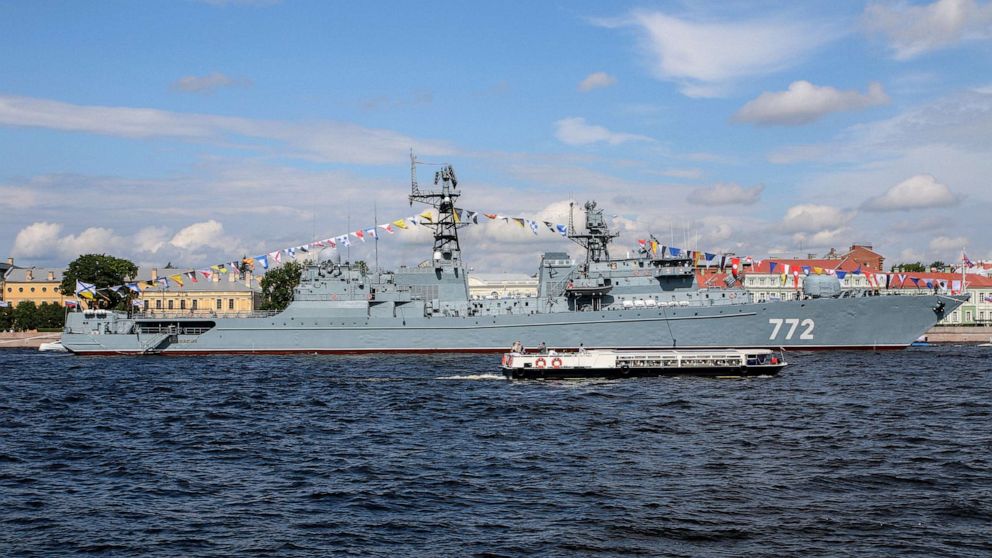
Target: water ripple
<point>843,454</point>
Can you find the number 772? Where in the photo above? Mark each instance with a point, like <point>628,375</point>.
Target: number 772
<point>792,324</point>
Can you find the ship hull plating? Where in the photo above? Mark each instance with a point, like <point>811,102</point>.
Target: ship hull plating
<point>874,323</point>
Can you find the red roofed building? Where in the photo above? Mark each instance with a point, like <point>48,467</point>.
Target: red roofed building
<point>859,269</point>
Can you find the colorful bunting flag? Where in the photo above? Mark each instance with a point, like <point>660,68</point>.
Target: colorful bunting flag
<point>85,290</point>
<point>401,223</point>
<point>177,278</point>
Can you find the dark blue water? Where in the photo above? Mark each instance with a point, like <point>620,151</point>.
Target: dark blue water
<point>843,454</point>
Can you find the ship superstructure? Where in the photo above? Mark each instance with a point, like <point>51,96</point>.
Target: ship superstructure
<point>639,302</point>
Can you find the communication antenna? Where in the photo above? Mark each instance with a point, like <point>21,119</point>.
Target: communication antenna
<point>447,251</point>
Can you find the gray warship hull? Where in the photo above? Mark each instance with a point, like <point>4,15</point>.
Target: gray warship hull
<point>649,301</point>
<point>874,323</point>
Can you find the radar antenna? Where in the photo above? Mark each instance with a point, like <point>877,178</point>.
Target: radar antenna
<point>447,252</point>
<point>597,239</point>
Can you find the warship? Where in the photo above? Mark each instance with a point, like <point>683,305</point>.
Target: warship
<point>640,301</point>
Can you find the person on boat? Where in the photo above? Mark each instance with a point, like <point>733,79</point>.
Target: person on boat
<point>542,348</point>
<point>582,349</point>
<point>517,347</point>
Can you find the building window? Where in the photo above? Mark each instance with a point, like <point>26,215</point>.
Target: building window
<point>158,304</point>
<point>44,289</point>
<point>170,304</point>
<point>230,304</point>
<point>220,304</point>
<point>194,304</point>
<point>182,304</point>
<point>32,289</point>
<point>20,289</point>
<point>146,305</point>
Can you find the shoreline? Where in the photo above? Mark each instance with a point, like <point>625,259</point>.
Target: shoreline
<point>26,339</point>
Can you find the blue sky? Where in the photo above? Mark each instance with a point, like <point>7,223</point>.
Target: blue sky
<point>195,132</point>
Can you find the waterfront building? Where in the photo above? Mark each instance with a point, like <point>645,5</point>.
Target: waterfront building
<point>222,294</point>
<point>34,284</point>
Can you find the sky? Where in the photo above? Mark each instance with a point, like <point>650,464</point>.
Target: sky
<point>195,132</point>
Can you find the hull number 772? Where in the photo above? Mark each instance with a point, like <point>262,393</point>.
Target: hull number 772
<point>791,325</point>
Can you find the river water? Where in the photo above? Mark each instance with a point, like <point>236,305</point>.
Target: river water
<point>844,453</point>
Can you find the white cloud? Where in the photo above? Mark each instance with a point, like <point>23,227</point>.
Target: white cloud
<point>576,131</point>
<point>36,240</point>
<point>945,244</point>
<point>822,239</point>
<point>151,239</point>
<point>200,235</point>
<point>814,218</point>
<point>597,80</point>
<point>17,198</point>
<point>94,240</point>
<point>913,30</point>
<point>918,192</point>
<point>804,102</point>
<point>323,141</point>
<point>725,194</point>
<point>705,58</point>
<point>208,83</point>
<point>961,120</point>
<point>683,173</point>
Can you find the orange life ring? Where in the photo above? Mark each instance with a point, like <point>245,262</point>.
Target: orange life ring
<point>540,363</point>
<point>556,362</point>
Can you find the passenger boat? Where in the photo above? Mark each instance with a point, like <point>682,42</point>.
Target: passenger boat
<point>610,363</point>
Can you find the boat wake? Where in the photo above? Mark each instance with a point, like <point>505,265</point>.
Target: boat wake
<point>473,377</point>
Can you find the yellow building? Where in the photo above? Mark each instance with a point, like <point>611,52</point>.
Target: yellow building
<point>36,284</point>
<point>222,294</point>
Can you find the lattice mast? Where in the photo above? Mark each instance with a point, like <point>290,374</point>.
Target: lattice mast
<point>447,251</point>
<point>597,239</point>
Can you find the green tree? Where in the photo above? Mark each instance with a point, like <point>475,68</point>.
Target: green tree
<point>6,318</point>
<point>915,267</point>
<point>51,315</point>
<point>26,316</point>
<point>938,265</point>
<point>278,284</point>
<point>103,271</point>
